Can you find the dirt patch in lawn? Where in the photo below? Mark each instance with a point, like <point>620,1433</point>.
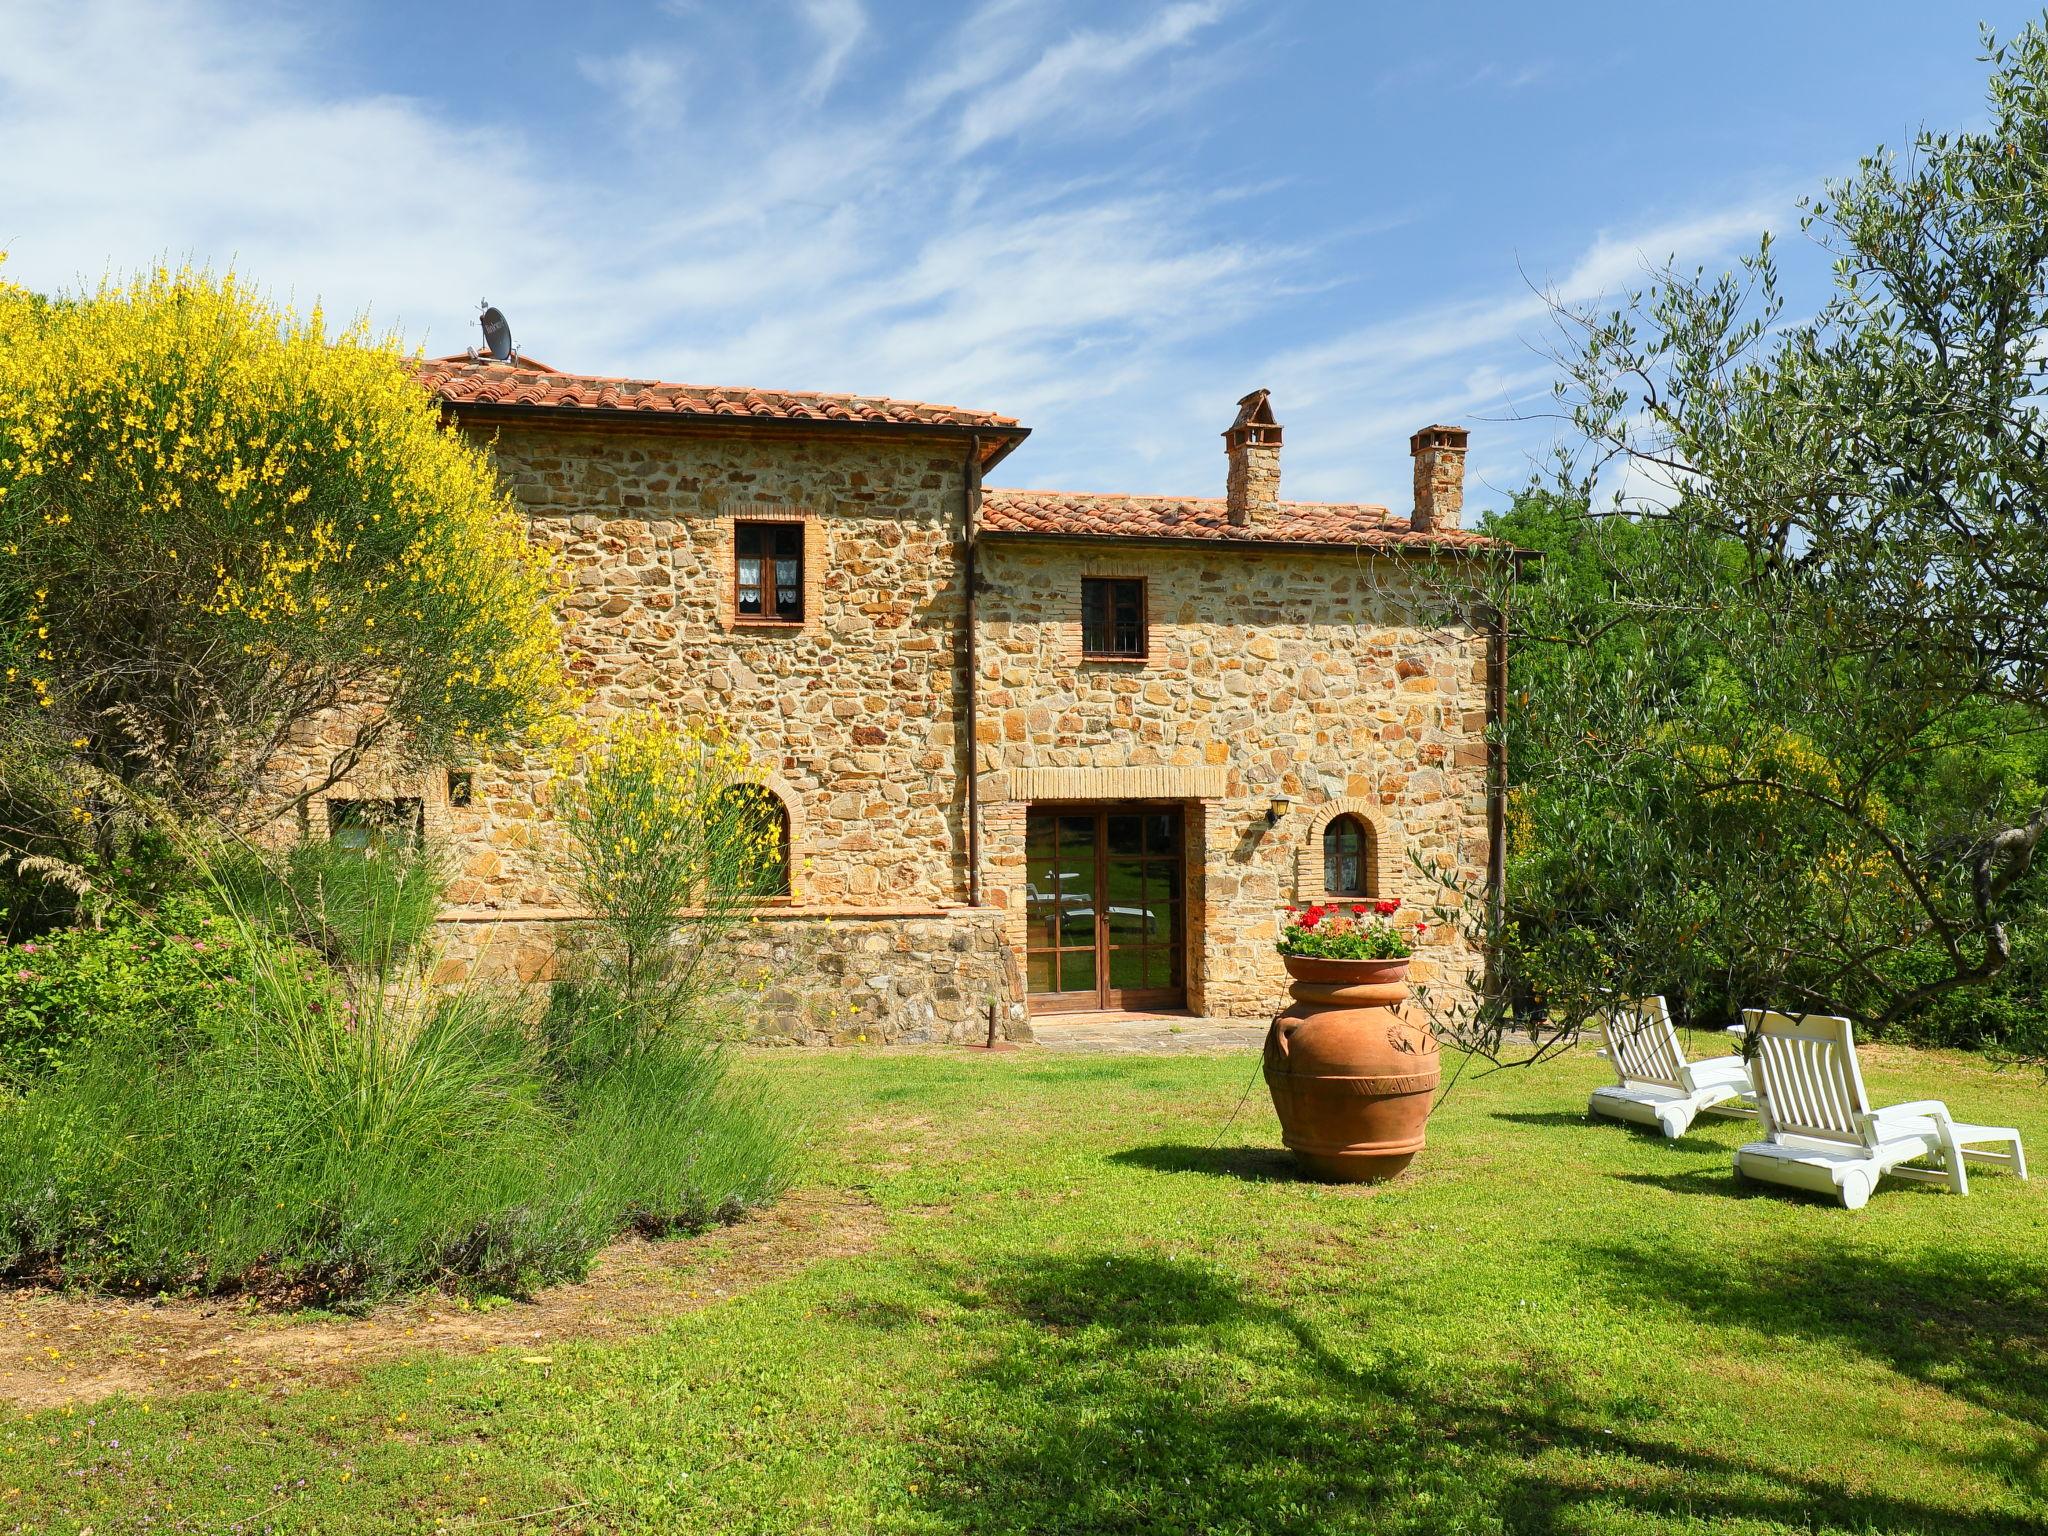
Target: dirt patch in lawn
<point>57,1348</point>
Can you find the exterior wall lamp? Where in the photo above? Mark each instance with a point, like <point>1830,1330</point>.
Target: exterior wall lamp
<point>1279,807</point>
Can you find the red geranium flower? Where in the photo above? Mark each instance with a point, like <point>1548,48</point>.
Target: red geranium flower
<point>1311,917</point>
<point>1386,908</point>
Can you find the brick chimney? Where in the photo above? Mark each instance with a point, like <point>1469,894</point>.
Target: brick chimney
<point>1439,478</point>
<point>1253,447</point>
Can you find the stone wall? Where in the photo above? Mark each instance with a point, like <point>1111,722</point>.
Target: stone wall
<point>851,977</point>
<point>1337,681</point>
<point>852,715</point>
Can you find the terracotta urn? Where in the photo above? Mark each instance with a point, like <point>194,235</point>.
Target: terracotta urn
<point>1351,1078</point>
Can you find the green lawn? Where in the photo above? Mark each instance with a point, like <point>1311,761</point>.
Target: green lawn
<point>1083,1314</point>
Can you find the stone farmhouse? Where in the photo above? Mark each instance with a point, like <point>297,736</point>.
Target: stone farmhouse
<point>1035,751</point>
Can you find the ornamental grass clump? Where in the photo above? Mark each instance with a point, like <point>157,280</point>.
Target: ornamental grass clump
<point>1348,931</point>
<point>336,1129</point>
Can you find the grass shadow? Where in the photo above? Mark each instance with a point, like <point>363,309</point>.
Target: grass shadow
<point>1254,1165</point>
<point>1136,1392</point>
<point>1553,1119</point>
<point>1720,1183</point>
<point>1952,1321</point>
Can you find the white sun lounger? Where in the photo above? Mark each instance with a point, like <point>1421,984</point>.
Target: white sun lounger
<point>1656,1084</point>
<point>1821,1133</point>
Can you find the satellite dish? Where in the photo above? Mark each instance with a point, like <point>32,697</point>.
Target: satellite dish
<point>497,332</point>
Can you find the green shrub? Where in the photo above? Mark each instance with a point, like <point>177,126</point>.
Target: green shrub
<point>308,1163</point>
<point>672,843</point>
<point>150,983</point>
<point>326,1140</point>
<point>221,521</point>
<point>298,1163</point>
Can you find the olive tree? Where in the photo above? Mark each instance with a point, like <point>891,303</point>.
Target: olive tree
<point>1797,718</point>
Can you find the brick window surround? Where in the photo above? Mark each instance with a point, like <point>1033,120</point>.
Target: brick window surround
<point>772,809</point>
<point>796,847</point>
<point>815,557</point>
<point>1309,884</point>
<point>1074,641</point>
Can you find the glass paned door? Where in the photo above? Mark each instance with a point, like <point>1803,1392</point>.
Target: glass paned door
<point>1103,895</point>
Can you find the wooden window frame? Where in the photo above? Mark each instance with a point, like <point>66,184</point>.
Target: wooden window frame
<point>1144,651</point>
<point>768,619</point>
<point>1105,996</point>
<point>1365,851</point>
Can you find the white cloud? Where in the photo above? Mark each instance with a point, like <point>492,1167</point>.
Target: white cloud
<point>1070,75</point>
<point>777,241</point>
<point>839,25</point>
<point>646,87</point>
<point>1510,77</point>
<point>989,43</point>
<point>1487,357</point>
<point>165,132</point>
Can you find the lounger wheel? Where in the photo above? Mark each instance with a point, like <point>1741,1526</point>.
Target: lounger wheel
<point>1856,1187</point>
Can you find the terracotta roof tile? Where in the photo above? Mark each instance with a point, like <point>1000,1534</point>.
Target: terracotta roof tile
<point>1106,515</point>
<point>462,380</point>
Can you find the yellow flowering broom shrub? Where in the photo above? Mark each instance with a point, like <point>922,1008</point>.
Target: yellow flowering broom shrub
<point>221,519</point>
<point>673,842</point>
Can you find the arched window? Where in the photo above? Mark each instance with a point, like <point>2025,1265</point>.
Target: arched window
<point>758,838</point>
<point>1347,857</point>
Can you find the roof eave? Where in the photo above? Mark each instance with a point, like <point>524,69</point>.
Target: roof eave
<point>1442,549</point>
<point>998,442</point>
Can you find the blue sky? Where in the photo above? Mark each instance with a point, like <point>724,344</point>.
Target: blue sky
<point>1110,220</point>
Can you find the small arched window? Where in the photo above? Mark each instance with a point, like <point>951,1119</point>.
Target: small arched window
<point>758,837</point>
<point>1347,857</point>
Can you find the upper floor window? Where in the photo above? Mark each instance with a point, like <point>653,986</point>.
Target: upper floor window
<point>1347,857</point>
<point>1113,617</point>
<point>768,571</point>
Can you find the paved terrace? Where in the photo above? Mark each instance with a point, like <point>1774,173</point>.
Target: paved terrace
<point>1146,1034</point>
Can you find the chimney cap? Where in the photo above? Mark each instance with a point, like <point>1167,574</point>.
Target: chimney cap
<point>1439,436</point>
<point>1254,423</point>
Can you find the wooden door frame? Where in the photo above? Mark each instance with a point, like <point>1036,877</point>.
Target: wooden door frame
<point>1105,998</point>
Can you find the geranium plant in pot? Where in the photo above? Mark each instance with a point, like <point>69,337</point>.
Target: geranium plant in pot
<point>1351,1077</point>
<point>1353,931</point>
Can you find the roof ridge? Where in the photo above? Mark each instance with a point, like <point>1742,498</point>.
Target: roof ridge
<point>566,379</point>
<point>1023,490</point>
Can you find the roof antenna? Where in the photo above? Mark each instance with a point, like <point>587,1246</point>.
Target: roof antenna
<point>497,335</point>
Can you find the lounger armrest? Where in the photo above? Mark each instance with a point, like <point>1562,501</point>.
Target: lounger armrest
<point>1917,1109</point>
<point>1719,1072</point>
<point>1893,1120</point>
